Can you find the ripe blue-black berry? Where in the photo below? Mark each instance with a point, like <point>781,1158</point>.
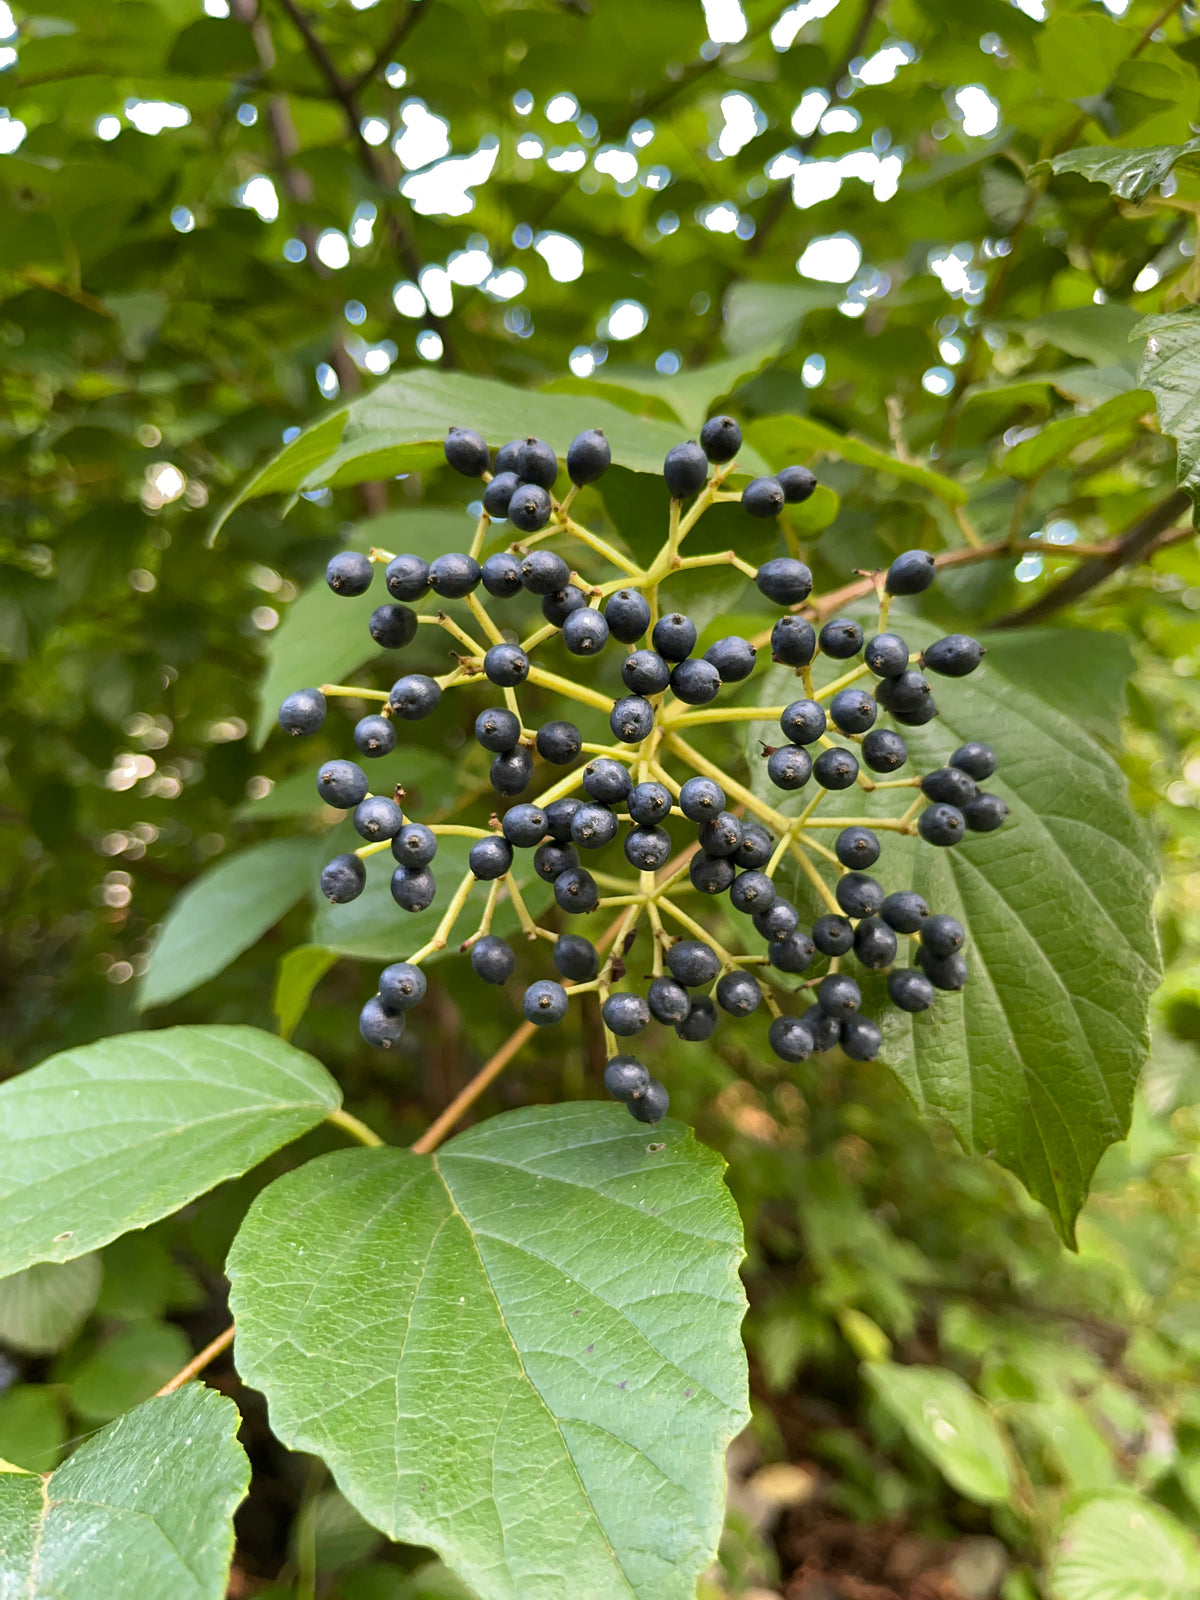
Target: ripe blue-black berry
<point>414,845</point>
<point>825,1030</point>
<point>751,891</point>
<point>905,911</point>
<point>542,572</point>
<point>498,494</point>
<point>342,784</point>
<point>784,580</point>
<point>954,656</point>
<point>838,996</point>
<point>738,993</point>
<point>626,1078</point>
<point>407,577</point>
<point>944,972</point>
<point>374,736</point>
<point>720,439</point>
<point>467,452</point>
<point>606,779</point>
<point>886,655</point>
<point>402,986</point>
<point>835,769</point>
<point>733,658</point>
<point>804,721</point>
<point>537,463</point>
<point>379,1026</point>
<point>985,813</point>
<point>685,469</point>
<point>647,849</point>
<point>722,834</point>
<point>506,665</point>
<point>557,607</point>
<point>454,575</point>
<point>652,1104</point>
<point>910,990</point>
<point>941,824</point>
<point>790,1039</point>
<point>695,681</point>
<point>529,511</point>
<point>414,696</point>
<point>413,888</point>
<point>343,879</point>
<point>668,1001</point>
<point>906,693</point>
<point>756,846</point>
<point>860,1038</point>
<point>793,641</point>
<point>977,760</point>
<point>832,935</point>
<point>797,484</point>
<point>778,920</point>
<point>524,826</point>
<point>884,750</point>
<point>559,742</point>
<point>649,803</point>
<point>853,710</point>
<point>858,895</point>
<point>917,719</point>
<point>874,943</point>
<point>793,953</point>
<point>949,785</point>
<point>628,615</point>
<point>674,636</point>
<point>497,729</point>
<point>508,456</point>
<point>589,456</point>
<point>711,874</point>
<point>857,846</point>
<point>789,766</point>
<point>511,771</point>
<point>625,1014</point>
<point>377,817</point>
<point>700,799</point>
<point>545,1002</point>
<point>631,719</point>
<point>349,573</point>
<point>493,959</point>
<point>911,573</point>
<point>501,574</point>
<point>942,935</point>
<point>700,1022</point>
<point>585,632</point>
<point>576,957</point>
<point>841,638</point>
<point>302,712</point>
<point>551,859</point>
<point>763,497</point>
<point>558,817</point>
<point>645,672</point>
<point>693,963</point>
<point>593,826</point>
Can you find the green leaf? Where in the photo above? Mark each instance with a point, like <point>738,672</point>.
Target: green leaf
<point>761,313</point>
<point>1170,369</point>
<point>33,1429</point>
<point>690,395</point>
<point>1099,334</point>
<point>127,1369</point>
<point>223,912</point>
<point>1054,443</point>
<point>1119,1546</point>
<point>144,1508</point>
<point>578,1276</point>
<point>1084,674</point>
<point>948,1423</point>
<point>44,1307</point>
<point>1130,174</point>
<point>290,467</point>
<point>298,974</point>
<point>1079,55</point>
<point>784,439</point>
<point>114,1135</point>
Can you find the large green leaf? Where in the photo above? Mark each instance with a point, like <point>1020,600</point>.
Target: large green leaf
<point>142,1509</point>
<point>1054,443</point>
<point>784,439</point>
<point>545,1314</point>
<point>1121,1546</point>
<point>1130,174</point>
<point>1171,371</point>
<point>759,313</point>
<point>44,1307</point>
<point>948,1423</point>
<point>33,1429</point>
<point>690,395</point>
<point>223,912</point>
<point>112,1136</point>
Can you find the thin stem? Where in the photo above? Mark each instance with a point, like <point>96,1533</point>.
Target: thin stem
<point>813,876</point>
<point>564,686</point>
<point>352,693</point>
<point>601,547</point>
<point>491,1070</point>
<point>522,910</point>
<point>356,1129</point>
<point>442,935</point>
<point>198,1362</point>
<point>484,621</point>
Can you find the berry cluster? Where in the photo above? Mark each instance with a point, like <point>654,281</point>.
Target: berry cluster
<point>698,834</point>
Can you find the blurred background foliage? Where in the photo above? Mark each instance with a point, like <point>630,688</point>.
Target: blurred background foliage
<point>222,218</point>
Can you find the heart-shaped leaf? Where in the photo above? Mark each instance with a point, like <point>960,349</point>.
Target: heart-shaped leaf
<point>1121,1546</point>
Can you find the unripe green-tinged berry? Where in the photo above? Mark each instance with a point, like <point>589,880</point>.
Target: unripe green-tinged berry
<point>911,573</point>
<point>832,935</point>
<point>493,959</point>
<point>529,511</point>
<point>838,996</point>
<point>793,641</point>
<point>696,682</point>
<point>490,858</point>
<point>524,826</point>
<point>413,888</point>
<point>793,953</point>
<point>454,575</point>
<point>733,658</point>
<point>797,484</point>
<point>557,607</point>
<point>606,779</point>
<point>693,963</point>
<point>763,497</point>
<point>467,452</point>
<point>374,736</point>
<point>575,890</point>
<point>627,614</point>
<point>978,761</point>
<point>543,572</point>
<point>857,847</point>
<point>652,1104</point>
<point>860,1038</point>
<point>343,879</point>
<point>905,911</point>
<point>415,696</point>
<point>910,990</point>
<point>497,496</point>
<point>668,1000</point>
<point>720,439</point>
<point>576,957</point>
<point>751,891</point>
<point>722,834</point>
<point>701,799</point>
<point>941,824</point>
<point>537,463</point>
<point>778,920</point>
<point>594,826</point>
<point>954,656</point>
<point>407,577</point>
<point>840,638</point>
<point>349,573</point>
<point>626,1078</point>
<point>379,1026</point>
<point>710,874</point>
<point>804,721</point>
<point>835,769</point>
<point>985,813</point>
<point>545,1002</point>
<point>402,986</point>
<point>853,710</point>
<point>511,771</point>
<point>700,1022</point>
<point>949,785</point>
<point>559,742</point>
<point>497,729</point>
<point>886,655</point>
<point>942,935</point>
<point>303,712</point>
<point>625,1014</point>
<point>647,849</point>
<point>944,972</point>
<point>558,817</point>
<point>506,665</point>
<point>883,750</point>
<point>674,636</point>
<point>552,859</point>
<point>790,1039</point>
<point>649,803</point>
<point>342,784</point>
<point>589,456</point>
<point>756,847</point>
<point>645,672</point>
<point>784,580</point>
<point>685,469</point>
<point>377,817</point>
<point>874,943</point>
<point>858,895</point>
<point>585,632</point>
<point>738,993</point>
<point>631,719</point>
<point>825,1030</point>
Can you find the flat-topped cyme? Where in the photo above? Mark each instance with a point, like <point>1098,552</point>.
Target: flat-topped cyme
<point>637,787</point>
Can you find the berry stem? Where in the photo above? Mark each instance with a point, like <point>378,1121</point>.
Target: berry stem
<point>696,719</point>
<point>445,620</point>
<point>481,533</point>
<point>603,548</point>
<point>491,631</point>
<point>527,923</point>
<point>489,911</point>
<point>365,850</point>
<point>828,690</point>
<point>198,1362</point>
<point>573,691</point>
<point>351,693</point>
<point>751,801</point>
<point>696,928</point>
<point>539,636</point>
<point>356,1129</point>
<point>459,829</point>
<point>813,876</point>
<point>442,934</point>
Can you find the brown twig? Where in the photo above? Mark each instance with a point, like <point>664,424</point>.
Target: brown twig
<point>198,1362</point>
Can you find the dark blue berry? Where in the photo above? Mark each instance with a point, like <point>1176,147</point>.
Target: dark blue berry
<point>593,826</point>
<point>685,469</point>
<point>576,957</point>
<point>524,826</point>
<point>631,719</point>
<point>944,972</point>
<point>493,959</point>
<point>625,1014</point>
<point>557,607</point>
<point>559,742</point>
<point>778,920</point>
<point>652,1104</point>
<point>886,655</point>
<point>738,993</point>
<point>720,439</point>
<point>506,665</point>
<point>497,729</point>
<point>693,963</point>
<point>941,824</point>
<point>529,511</point>
<point>751,891</point>
<point>793,953</point>
<point>860,1038</point>
<point>905,911</point>
<point>911,573</point>
<point>627,614</point>
<point>645,672</point>
<point>558,818</point>
<point>545,1002</point>
<point>626,1078</point>
<point>508,456</point>
<point>804,721</point>
<point>402,986</point>
<point>874,943</point>
<point>908,692</point>
<point>824,1029</point>
<point>942,935</point>
<point>832,935</point>
<point>883,750</point>
<point>838,996</point>
<point>496,499</point>
<point>858,895</point>
<point>379,1026</point>
<point>537,463</point>
<point>649,803</point>
<point>920,716</point>
<point>695,682</point>
<point>585,632</point>
<point>763,497</point>
<point>674,636</point>
<point>542,572</point>
<point>835,769</point>
<point>853,710</point>
<point>349,573</point>
<point>950,785</point>
<point>647,849</point>
<point>552,859</point>
<point>606,779</point>
<point>413,888</point>
<point>588,457</point>
<point>790,1039</point>
<point>454,575</point>
<point>343,879</point>
<point>700,799</point>
<point>491,857</point>
<point>700,1022</point>
<point>467,452</point>
<point>977,760</point>
<point>841,638</point>
<point>986,813</point>
<point>414,845</point>
<point>377,817</point>
<point>793,641</point>
<point>910,990</point>
<point>302,712</point>
<point>733,658</point>
<point>501,573</point>
<point>415,696</point>
<point>756,846</point>
<point>784,580</point>
<point>857,846</point>
<point>668,1001</point>
<point>374,736</point>
<point>797,484</point>
<point>511,771</point>
<point>407,577</point>
<point>342,784</point>
<point>711,874</point>
<point>722,834</point>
